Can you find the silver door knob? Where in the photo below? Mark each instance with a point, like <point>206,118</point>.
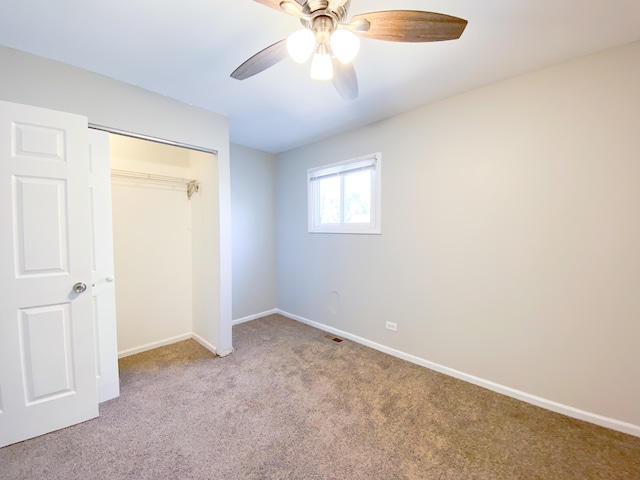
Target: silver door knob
<point>79,287</point>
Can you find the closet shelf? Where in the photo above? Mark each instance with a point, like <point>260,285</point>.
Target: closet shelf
<point>192,186</point>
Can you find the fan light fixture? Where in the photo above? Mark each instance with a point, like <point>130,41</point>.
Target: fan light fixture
<point>331,36</point>
<point>300,45</point>
<point>321,66</point>
<point>322,35</point>
<point>345,45</point>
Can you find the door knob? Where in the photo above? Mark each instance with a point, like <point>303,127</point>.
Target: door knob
<point>79,287</point>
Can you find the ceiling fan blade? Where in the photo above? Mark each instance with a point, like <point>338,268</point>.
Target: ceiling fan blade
<point>345,80</point>
<point>357,26</point>
<point>261,61</point>
<point>410,26</point>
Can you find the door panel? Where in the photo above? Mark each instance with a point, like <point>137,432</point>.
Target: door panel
<point>40,212</point>
<point>104,293</point>
<point>47,353</point>
<point>38,141</point>
<point>47,370</point>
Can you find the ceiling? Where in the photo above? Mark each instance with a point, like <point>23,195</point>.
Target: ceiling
<point>187,49</point>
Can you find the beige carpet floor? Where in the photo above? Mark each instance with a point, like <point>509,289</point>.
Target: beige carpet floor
<point>292,404</point>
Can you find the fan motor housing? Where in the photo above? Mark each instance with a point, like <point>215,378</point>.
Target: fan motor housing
<point>319,7</point>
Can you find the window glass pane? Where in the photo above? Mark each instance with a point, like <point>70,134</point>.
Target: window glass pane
<point>357,197</point>
<point>329,199</point>
<point>344,197</point>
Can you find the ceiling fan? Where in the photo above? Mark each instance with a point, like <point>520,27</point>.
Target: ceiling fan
<point>333,40</point>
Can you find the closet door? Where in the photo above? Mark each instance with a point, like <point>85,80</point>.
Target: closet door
<point>47,369</point>
<point>102,269</point>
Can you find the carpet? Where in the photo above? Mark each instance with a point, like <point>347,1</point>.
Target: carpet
<point>293,404</point>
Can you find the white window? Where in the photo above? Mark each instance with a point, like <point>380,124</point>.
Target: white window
<point>344,197</point>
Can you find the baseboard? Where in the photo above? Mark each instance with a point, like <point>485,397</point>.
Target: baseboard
<point>210,347</point>
<point>176,339</point>
<point>151,346</point>
<point>254,317</point>
<point>204,343</point>
<point>594,418</point>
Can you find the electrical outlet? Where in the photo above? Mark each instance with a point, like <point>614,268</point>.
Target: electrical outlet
<point>391,326</point>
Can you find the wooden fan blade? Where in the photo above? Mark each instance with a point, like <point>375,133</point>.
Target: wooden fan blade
<point>411,26</point>
<point>345,80</point>
<point>261,61</point>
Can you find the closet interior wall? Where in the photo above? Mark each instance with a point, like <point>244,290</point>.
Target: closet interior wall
<point>153,229</point>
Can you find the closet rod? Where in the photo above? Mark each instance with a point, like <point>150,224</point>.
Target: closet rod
<point>191,185</point>
<point>140,136</point>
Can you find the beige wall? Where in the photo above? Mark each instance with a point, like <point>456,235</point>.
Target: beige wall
<point>33,80</point>
<point>152,235</point>
<point>510,233</point>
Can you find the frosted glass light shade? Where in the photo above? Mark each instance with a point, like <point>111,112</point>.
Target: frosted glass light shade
<point>345,45</point>
<point>321,67</point>
<point>300,45</point>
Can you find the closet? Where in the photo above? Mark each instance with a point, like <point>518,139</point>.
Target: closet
<point>157,223</point>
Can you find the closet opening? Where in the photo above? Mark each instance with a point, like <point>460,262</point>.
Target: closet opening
<point>165,216</point>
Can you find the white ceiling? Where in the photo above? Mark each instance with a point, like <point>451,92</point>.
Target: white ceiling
<point>187,49</point>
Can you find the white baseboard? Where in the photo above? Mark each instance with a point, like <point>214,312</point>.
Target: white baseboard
<point>594,418</point>
<point>210,347</point>
<point>204,343</point>
<point>151,346</point>
<point>176,339</point>
<point>254,317</point>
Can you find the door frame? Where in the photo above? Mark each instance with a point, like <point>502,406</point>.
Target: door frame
<point>224,346</point>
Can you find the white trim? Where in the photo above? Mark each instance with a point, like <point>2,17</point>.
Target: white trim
<point>224,339</point>
<point>373,227</point>
<point>204,343</point>
<point>367,161</point>
<point>151,346</point>
<point>594,418</point>
<point>210,347</point>
<point>255,317</point>
<point>176,339</point>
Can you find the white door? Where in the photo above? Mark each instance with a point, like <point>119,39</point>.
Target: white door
<point>104,292</point>
<point>47,368</point>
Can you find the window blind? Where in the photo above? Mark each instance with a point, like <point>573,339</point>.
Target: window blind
<point>320,173</point>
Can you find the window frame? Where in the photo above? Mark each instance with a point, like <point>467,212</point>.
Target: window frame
<point>373,161</point>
